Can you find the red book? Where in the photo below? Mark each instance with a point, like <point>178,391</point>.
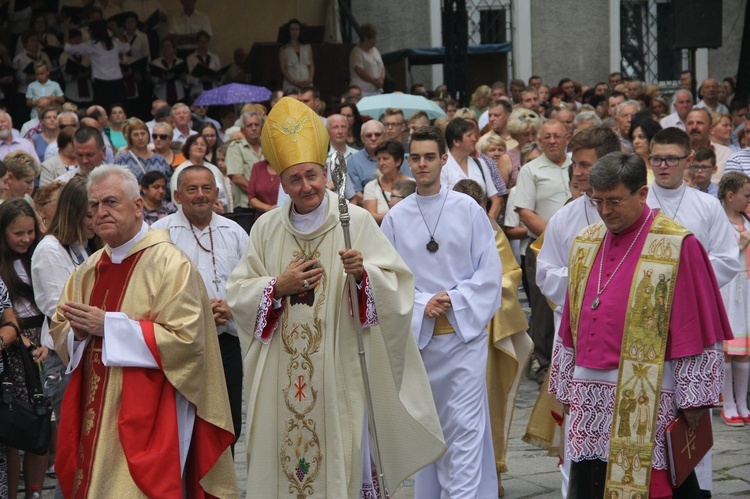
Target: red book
<point>686,447</point>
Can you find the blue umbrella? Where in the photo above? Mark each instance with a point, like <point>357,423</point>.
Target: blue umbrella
<point>233,93</point>
<point>409,104</point>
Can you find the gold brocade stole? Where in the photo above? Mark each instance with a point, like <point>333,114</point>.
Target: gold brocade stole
<point>301,450</point>
<point>642,353</point>
<point>582,256</point>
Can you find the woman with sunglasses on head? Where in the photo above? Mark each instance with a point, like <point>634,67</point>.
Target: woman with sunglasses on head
<point>68,242</point>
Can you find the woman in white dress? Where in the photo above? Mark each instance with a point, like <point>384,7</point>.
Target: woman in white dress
<point>295,57</point>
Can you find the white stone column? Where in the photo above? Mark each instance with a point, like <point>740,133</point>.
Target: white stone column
<point>436,40</point>
<point>521,19</point>
<point>615,54</point>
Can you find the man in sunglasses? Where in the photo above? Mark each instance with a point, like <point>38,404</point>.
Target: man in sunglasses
<point>627,367</point>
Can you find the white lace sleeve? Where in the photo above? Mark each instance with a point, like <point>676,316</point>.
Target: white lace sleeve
<point>264,309</point>
<point>699,379</point>
<point>371,315</point>
<point>561,372</point>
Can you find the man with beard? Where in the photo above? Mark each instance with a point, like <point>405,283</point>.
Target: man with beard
<point>241,157</point>
<point>9,143</point>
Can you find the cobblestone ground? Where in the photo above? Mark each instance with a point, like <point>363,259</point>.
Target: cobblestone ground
<point>534,474</point>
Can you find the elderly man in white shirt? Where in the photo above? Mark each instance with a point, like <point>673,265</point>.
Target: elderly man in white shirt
<point>214,244</point>
<point>181,117</point>
<point>683,104</point>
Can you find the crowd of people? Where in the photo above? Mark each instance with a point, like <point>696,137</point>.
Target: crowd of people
<point>575,194</point>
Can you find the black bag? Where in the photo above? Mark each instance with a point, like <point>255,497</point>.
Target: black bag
<point>24,424</point>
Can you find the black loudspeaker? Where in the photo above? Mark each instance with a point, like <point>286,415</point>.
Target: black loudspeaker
<point>697,24</point>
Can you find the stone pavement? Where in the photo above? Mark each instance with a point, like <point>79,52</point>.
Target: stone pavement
<point>534,474</point>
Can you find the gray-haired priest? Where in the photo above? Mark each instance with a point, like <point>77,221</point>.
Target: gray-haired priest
<point>307,430</point>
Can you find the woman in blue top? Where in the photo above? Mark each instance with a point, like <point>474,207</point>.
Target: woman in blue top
<point>137,155</point>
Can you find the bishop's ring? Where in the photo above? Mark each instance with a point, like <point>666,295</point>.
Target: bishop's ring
<point>305,284</point>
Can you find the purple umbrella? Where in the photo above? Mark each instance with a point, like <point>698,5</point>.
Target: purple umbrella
<point>233,93</point>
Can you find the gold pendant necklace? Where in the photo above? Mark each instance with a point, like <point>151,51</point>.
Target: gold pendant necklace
<point>311,255</point>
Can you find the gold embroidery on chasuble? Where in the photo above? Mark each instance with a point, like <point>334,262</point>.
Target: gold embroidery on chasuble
<point>642,360</point>
<point>302,329</point>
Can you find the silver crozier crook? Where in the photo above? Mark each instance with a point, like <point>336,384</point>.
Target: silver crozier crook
<point>338,172</point>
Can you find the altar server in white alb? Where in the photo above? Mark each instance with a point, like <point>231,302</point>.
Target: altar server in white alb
<point>698,212</point>
<point>448,243</point>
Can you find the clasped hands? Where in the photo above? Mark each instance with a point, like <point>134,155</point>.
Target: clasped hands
<point>84,319</point>
<point>303,275</point>
<point>221,311</point>
<point>438,305</point>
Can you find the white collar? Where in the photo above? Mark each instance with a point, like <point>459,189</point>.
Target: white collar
<point>433,196</point>
<point>119,253</point>
<point>309,222</point>
<point>668,193</point>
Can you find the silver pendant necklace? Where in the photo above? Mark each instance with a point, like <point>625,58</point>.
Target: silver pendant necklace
<point>599,288</point>
<point>432,246</point>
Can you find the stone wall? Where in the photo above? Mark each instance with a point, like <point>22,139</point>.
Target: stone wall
<point>570,38</point>
<point>724,61</point>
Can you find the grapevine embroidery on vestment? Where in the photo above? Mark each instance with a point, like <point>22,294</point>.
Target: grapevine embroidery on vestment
<point>300,453</point>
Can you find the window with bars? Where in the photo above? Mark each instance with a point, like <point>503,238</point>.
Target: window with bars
<point>489,21</point>
<point>647,41</point>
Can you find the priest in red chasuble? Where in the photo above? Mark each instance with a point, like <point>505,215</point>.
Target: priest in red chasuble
<point>146,412</point>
